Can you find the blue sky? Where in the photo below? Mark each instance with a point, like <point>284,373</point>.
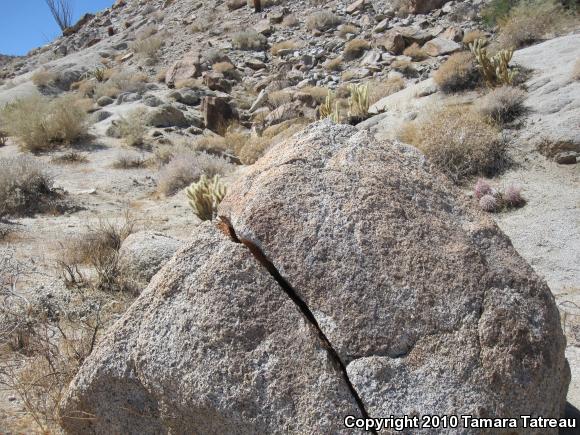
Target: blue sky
<point>26,24</point>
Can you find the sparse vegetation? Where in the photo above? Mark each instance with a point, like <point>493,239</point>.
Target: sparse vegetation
<point>132,127</point>
<point>40,123</point>
<point>284,45</point>
<point>205,195</point>
<point>249,40</point>
<point>503,104</point>
<point>185,168</point>
<point>44,77</point>
<point>355,48</point>
<point>334,64</point>
<point>404,67</point>
<point>382,89</point>
<point>148,48</point>
<point>290,21</point>
<point>119,82</point>
<point>69,158</point>
<point>458,73</point>
<point>26,187</point>
<point>472,36</point>
<point>415,52</point>
<point>346,29</point>
<point>128,160</point>
<point>358,103</point>
<point>322,20</point>
<point>531,20</point>
<point>459,141</point>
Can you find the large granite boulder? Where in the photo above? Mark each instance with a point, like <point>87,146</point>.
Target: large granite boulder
<point>351,278</point>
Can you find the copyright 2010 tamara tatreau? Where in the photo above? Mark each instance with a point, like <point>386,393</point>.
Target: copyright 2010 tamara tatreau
<point>455,421</point>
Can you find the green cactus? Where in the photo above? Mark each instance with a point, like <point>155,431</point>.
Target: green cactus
<point>205,195</point>
<point>358,101</point>
<point>495,69</point>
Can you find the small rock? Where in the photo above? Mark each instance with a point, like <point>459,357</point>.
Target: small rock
<point>441,46</point>
<point>566,158</point>
<point>356,6</point>
<point>105,101</point>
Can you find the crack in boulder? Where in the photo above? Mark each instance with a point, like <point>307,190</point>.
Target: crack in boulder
<point>226,227</point>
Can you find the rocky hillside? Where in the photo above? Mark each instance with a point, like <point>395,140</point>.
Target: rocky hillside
<point>213,217</point>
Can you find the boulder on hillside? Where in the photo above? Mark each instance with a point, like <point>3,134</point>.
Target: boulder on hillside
<point>217,113</point>
<point>187,68</point>
<point>424,6</point>
<point>142,254</point>
<point>353,279</point>
<point>166,116</point>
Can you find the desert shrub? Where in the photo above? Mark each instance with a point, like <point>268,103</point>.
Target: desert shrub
<point>69,158</point>
<point>382,89</point>
<point>405,67</point>
<point>472,36</point>
<point>496,10</point>
<point>249,40</point>
<point>25,186</point>
<point>126,160</point>
<point>187,167</point>
<point>576,71</point>
<point>205,195</point>
<point>496,69</point>
<point>502,104</point>
<point>43,77</point>
<point>223,67</point>
<point>278,98</point>
<point>354,49</point>
<point>346,29</point>
<point>232,5</point>
<point>333,64</point>
<point>119,82</point>
<point>530,21</point>
<point>318,93</point>
<point>132,128</point>
<point>415,52</point>
<point>211,144</point>
<point>41,123</point>
<point>322,20</point>
<point>145,32</point>
<point>290,21</point>
<point>148,48</point>
<point>458,73</point>
<point>459,141</point>
<point>284,45</point>
<point>199,26</point>
<point>97,249</point>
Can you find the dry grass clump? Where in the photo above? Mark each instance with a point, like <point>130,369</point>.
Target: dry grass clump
<point>290,21</point>
<point>284,45</point>
<point>43,77</point>
<point>25,187</point>
<point>530,21</point>
<point>405,67</point>
<point>145,32</point>
<point>333,64</point>
<point>319,93</point>
<point>459,141</point>
<point>187,167</point>
<point>415,52</point>
<point>223,67</point>
<point>70,158</point>
<point>45,340</point>
<point>119,82</point>
<point>382,89</point>
<point>232,5</point>
<point>458,73</point>
<point>346,29</point>
<point>97,249</point>
<point>132,128</point>
<point>502,104</point>
<point>40,123</point>
<point>355,48</point>
<point>249,40</point>
<point>199,26</point>
<point>576,71</point>
<point>472,36</point>
<point>148,48</point>
<point>322,20</point>
<point>278,98</point>
<point>128,160</point>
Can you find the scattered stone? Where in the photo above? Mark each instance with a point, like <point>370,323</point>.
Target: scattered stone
<point>105,101</point>
<point>166,116</point>
<point>441,46</point>
<point>566,158</point>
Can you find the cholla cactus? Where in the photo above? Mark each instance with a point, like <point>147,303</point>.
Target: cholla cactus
<point>495,69</point>
<point>326,109</point>
<point>205,195</point>
<point>358,101</point>
<point>481,188</point>
<point>489,203</point>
